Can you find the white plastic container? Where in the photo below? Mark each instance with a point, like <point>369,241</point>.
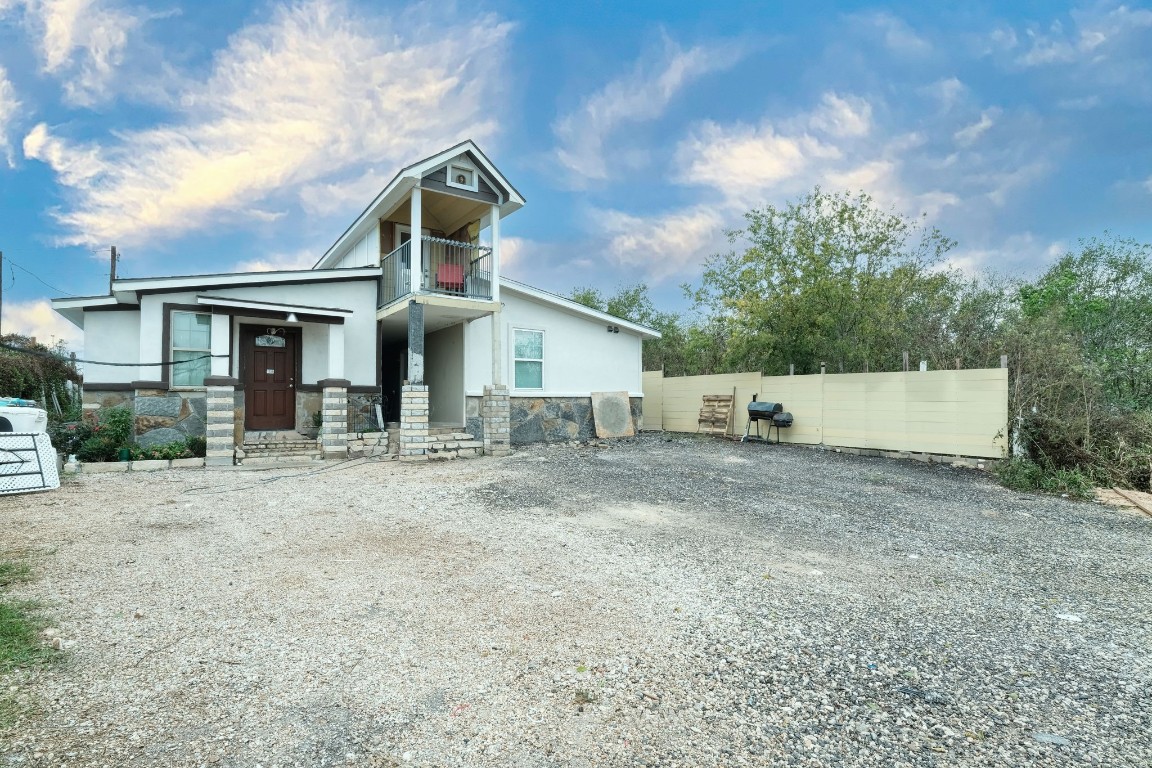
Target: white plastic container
<point>23,419</point>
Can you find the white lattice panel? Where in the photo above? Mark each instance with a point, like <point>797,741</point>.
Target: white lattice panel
<point>27,463</point>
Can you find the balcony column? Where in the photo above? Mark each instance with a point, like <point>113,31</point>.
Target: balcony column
<point>497,332</point>
<point>416,258</point>
<point>494,225</point>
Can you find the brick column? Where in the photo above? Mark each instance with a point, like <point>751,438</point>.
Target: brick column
<point>495,413</point>
<point>334,418</point>
<point>414,422</point>
<point>220,430</point>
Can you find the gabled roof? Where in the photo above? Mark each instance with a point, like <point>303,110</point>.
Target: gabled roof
<point>408,177</point>
<point>576,308</point>
<point>126,291</point>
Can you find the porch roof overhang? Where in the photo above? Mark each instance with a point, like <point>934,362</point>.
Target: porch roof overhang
<point>331,314</point>
<point>126,292</point>
<point>408,178</point>
<point>72,309</point>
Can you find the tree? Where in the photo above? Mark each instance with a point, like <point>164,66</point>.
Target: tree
<point>1102,297</point>
<point>633,303</point>
<point>31,370</point>
<point>830,277</point>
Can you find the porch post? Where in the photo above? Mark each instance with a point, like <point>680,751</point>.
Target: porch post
<point>220,430</point>
<point>414,394</point>
<point>416,259</point>
<point>221,324</point>
<point>334,418</point>
<point>494,224</point>
<point>335,351</point>
<point>495,413</point>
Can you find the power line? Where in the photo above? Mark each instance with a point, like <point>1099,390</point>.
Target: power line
<point>50,356</point>
<point>37,277</point>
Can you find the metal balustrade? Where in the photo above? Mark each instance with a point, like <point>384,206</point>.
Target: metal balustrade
<point>450,267</point>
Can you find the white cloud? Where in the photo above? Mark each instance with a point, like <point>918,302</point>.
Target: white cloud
<point>8,108</point>
<point>80,42</point>
<point>948,91</point>
<point>842,117</point>
<point>1148,184</point>
<point>898,37</point>
<point>1021,254</point>
<point>1094,34</point>
<point>639,96</point>
<point>746,159</point>
<point>37,318</point>
<point>300,102</point>
<point>279,262</point>
<point>666,244</point>
<point>969,134</point>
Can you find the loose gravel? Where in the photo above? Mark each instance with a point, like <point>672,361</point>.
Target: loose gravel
<point>663,601</point>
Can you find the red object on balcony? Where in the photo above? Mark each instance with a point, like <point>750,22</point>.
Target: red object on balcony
<point>450,277</point>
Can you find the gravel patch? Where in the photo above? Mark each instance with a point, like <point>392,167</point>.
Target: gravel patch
<point>663,601</point>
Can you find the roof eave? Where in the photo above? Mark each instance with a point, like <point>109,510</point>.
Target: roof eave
<point>575,307</point>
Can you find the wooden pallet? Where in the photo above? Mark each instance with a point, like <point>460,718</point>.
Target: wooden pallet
<point>716,414</point>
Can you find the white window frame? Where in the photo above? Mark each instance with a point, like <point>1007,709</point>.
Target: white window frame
<point>173,349</point>
<point>450,178</point>
<point>515,359</point>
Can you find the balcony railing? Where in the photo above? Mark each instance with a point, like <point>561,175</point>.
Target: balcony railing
<point>450,267</point>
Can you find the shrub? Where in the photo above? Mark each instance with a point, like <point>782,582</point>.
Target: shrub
<point>97,448</point>
<point>117,424</point>
<point>67,437</point>
<point>177,449</point>
<point>1021,474</point>
<point>198,446</point>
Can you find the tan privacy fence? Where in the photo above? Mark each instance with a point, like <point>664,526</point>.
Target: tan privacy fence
<point>956,413</point>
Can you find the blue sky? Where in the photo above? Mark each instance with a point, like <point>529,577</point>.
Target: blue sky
<point>218,136</point>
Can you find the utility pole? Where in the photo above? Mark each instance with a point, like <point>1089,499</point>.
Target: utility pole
<point>112,272</point>
<point>1,294</point>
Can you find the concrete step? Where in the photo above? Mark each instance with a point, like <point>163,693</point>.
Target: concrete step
<point>295,460</point>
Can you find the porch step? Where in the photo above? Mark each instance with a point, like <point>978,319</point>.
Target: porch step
<point>443,443</point>
<point>278,447</point>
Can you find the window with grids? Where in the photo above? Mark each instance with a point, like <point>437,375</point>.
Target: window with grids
<point>529,358</point>
<point>191,345</point>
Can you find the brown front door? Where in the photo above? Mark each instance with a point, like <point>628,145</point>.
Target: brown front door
<point>269,356</point>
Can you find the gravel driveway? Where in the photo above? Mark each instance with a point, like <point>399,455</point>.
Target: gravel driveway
<point>655,602</point>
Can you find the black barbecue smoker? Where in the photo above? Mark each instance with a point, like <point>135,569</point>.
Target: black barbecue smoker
<point>773,413</point>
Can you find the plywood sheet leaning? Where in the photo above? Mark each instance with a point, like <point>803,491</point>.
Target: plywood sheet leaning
<point>716,413</point>
<point>612,414</point>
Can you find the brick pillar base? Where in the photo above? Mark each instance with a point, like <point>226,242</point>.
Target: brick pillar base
<point>495,411</point>
<point>220,431</point>
<point>334,418</point>
<point>414,422</point>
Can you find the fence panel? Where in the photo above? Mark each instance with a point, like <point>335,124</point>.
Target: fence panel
<point>682,398</point>
<point>803,397</point>
<point>961,413</point>
<point>653,384</point>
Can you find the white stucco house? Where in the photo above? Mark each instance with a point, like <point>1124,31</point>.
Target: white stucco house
<point>406,311</point>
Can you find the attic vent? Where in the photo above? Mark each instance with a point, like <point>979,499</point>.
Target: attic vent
<point>461,176</point>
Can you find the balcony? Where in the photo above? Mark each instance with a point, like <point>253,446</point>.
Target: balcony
<point>450,268</point>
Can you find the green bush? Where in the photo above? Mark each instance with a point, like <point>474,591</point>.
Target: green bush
<point>177,449</point>
<point>97,448</point>
<point>68,436</point>
<point>198,446</point>
<point>1021,474</point>
<point>117,425</point>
